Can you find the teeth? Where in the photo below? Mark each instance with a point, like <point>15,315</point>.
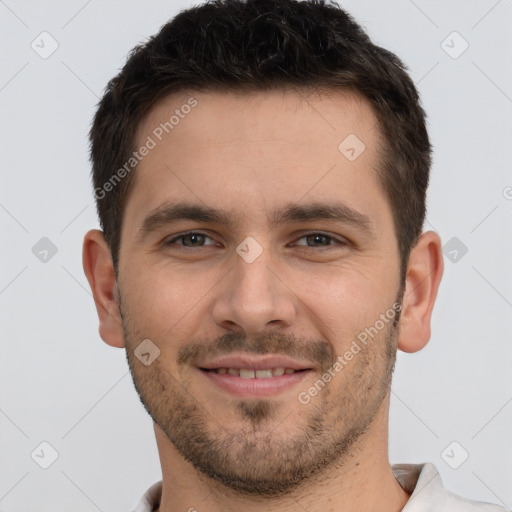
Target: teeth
<point>247,373</point>
<point>263,374</point>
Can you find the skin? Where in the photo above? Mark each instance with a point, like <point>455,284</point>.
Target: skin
<point>250,154</point>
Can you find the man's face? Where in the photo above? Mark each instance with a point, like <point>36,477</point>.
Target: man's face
<point>273,286</point>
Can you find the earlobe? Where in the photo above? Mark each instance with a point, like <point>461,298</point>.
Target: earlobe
<point>99,270</point>
<point>424,274</point>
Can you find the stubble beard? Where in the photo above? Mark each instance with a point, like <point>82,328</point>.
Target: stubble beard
<point>264,455</point>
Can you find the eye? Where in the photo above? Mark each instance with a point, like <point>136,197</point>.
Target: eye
<point>191,239</point>
<point>318,240</point>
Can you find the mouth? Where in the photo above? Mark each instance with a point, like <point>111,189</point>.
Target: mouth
<point>248,376</point>
<point>249,373</point>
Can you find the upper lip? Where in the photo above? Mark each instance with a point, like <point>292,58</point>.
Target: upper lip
<point>254,362</point>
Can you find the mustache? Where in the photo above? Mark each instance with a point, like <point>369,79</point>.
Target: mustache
<point>319,352</point>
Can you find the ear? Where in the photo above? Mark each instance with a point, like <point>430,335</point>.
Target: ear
<point>424,273</point>
<point>99,270</point>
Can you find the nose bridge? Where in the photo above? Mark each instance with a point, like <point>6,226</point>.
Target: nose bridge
<point>253,296</point>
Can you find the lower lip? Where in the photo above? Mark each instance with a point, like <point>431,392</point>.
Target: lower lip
<point>255,387</point>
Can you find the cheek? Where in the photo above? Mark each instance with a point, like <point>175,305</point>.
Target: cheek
<point>163,300</point>
<point>339,298</point>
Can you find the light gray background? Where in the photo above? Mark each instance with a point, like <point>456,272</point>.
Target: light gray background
<point>61,384</point>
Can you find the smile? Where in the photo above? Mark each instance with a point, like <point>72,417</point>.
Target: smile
<point>248,373</point>
<point>252,383</point>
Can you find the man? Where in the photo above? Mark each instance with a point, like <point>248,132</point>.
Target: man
<point>260,170</point>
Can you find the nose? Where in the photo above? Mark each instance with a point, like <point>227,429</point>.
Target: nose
<point>253,298</point>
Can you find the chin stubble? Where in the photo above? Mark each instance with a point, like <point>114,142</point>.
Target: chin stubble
<point>265,457</point>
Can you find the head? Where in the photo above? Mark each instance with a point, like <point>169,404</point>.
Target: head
<point>260,45</point>
<point>296,151</point>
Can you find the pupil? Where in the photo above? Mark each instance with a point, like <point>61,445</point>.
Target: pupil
<point>318,239</point>
<point>193,238</point>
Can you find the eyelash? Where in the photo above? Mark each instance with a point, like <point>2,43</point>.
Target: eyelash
<point>305,235</point>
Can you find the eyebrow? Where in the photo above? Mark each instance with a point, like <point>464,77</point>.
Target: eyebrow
<point>168,213</point>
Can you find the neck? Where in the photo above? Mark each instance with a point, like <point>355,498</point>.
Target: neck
<point>362,481</point>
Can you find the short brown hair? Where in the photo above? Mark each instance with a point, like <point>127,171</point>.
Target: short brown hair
<point>253,45</point>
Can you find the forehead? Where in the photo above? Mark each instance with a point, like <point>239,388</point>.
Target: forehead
<point>284,116</point>
<point>254,150</point>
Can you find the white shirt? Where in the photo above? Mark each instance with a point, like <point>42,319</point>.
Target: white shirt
<point>422,480</point>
